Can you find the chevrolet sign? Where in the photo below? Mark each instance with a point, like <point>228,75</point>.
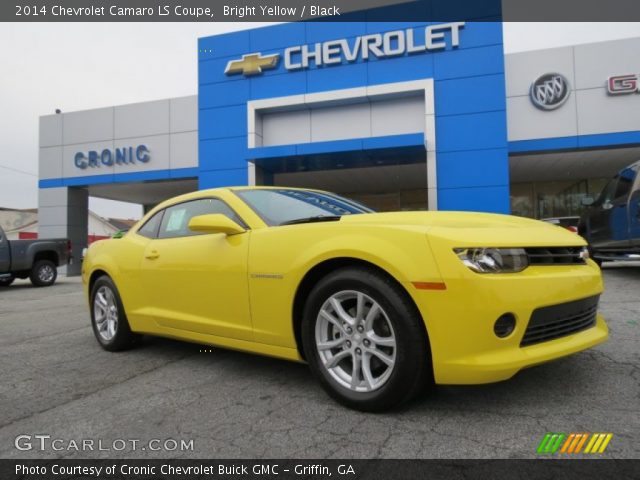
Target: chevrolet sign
<point>364,47</point>
<point>252,64</point>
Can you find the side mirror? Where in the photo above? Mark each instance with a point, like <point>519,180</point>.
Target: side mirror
<point>215,223</point>
<point>587,201</point>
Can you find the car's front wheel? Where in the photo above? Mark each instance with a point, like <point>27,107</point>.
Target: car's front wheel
<point>364,340</point>
<point>108,318</point>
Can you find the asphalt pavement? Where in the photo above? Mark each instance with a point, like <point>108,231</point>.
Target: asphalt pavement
<point>57,382</point>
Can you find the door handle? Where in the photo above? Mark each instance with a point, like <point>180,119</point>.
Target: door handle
<point>152,255</point>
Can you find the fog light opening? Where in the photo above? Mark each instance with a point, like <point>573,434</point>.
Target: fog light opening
<point>505,325</point>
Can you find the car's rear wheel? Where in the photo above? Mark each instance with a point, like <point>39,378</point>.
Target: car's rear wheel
<point>108,318</point>
<point>6,281</point>
<point>43,273</point>
<point>364,340</point>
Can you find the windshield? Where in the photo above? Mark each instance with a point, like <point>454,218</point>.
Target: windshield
<point>282,205</point>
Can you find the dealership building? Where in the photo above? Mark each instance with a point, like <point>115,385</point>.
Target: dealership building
<point>396,115</point>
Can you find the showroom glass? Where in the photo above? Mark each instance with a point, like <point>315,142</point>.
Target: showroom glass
<point>553,198</point>
<point>280,206</point>
<point>175,222</point>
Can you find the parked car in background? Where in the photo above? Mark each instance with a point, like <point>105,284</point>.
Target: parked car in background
<point>611,223</point>
<point>37,260</point>
<point>570,223</point>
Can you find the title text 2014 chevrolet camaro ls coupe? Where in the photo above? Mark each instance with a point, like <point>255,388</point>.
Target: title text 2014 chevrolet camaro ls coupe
<point>378,304</point>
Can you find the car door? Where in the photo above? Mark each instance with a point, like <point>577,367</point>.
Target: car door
<point>198,282</point>
<point>619,212</point>
<point>5,254</point>
<point>634,213</point>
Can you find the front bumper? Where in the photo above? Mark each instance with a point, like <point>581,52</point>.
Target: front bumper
<point>503,364</point>
<point>460,320</point>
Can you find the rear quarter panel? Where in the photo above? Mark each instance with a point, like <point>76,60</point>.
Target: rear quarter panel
<point>23,252</point>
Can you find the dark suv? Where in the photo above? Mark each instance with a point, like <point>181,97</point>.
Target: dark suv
<point>611,224</point>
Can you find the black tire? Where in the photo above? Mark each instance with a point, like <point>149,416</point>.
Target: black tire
<point>412,370</point>
<point>123,338</point>
<point>43,273</point>
<point>6,281</point>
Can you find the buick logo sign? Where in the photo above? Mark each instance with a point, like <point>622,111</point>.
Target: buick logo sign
<point>550,91</point>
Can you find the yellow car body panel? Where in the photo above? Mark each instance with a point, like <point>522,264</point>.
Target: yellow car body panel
<point>238,291</point>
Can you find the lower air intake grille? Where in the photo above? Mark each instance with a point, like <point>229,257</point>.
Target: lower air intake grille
<point>555,256</point>
<point>548,323</point>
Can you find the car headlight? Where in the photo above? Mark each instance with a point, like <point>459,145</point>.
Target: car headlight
<point>493,260</point>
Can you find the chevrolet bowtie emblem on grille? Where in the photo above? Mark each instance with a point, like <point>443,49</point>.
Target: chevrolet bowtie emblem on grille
<point>252,64</point>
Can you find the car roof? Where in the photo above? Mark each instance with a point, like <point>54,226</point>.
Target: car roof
<point>196,194</point>
<point>281,187</point>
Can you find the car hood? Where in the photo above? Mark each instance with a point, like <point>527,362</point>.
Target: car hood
<point>475,229</point>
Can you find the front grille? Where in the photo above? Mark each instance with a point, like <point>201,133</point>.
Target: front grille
<point>555,256</point>
<point>548,323</point>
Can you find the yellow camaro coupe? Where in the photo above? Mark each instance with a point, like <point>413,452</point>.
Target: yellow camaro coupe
<point>378,304</point>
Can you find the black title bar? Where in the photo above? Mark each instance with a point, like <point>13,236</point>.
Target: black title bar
<point>317,10</point>
<point>310,469</point>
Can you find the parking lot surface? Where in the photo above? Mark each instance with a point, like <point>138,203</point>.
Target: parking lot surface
<point>57,381</point>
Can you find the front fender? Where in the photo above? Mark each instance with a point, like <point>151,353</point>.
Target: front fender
<point>280,258</point>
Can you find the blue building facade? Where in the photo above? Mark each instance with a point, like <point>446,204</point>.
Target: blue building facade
<point>323,71</point>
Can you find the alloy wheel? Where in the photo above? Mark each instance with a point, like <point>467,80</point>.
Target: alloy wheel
<point>46,273</point>
<point>355,341</point>
<point>105,312</point>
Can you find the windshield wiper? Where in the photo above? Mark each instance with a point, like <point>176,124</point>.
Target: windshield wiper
<point>317,218</point>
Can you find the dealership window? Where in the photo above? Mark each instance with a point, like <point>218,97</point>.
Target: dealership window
<point>384,179</point>
<point>553,199</point>
<point>175,222</point>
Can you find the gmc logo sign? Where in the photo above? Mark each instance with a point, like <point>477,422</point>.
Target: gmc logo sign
<point>621,84</point>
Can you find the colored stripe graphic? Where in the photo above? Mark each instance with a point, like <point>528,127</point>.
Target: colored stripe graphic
<point>572,443</point>
<point>550,443</point>
<point>598,443</point>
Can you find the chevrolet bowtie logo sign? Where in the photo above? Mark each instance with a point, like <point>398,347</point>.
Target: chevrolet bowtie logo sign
<point>252,64</point>
<point>434,38</point>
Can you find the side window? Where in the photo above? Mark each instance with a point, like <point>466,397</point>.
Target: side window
<point>625,182</point>
<point>607,193</point>
<point>175,222</point>
<point>150,228</point>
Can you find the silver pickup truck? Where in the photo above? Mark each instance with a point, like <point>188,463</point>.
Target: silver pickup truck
<point>37,260</point>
